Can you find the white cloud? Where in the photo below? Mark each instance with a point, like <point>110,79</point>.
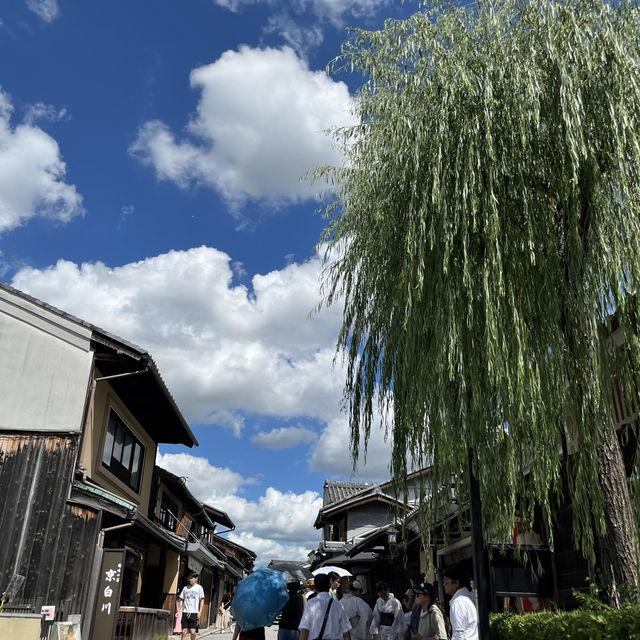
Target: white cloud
<point>331,10</point>
<point>336,10</point>
<point>283,516</point>
<point>268,549</point>
<point>299,38</point>
<point>284,437</point>
<point>41,111</point>
<point>332,454</point>
<point>276,520</point>
<point>47,10</point>
<point>32,174</point>
<point>225,352</point>
<point>206,482</point>
<point>259,127</point>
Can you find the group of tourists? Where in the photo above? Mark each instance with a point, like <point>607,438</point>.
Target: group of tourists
<point>422,616</point>
<point>323,612</point>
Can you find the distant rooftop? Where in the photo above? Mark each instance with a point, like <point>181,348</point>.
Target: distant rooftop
<point>337,491</point>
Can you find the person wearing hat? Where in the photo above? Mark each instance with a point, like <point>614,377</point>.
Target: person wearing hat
<point>431,625</point>
<point>310,590</point>
<point>357,610</point>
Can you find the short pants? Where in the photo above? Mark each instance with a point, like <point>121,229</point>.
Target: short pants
<point>189,620</point>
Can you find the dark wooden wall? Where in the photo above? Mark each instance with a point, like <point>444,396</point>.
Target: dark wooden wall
<point>45,539</point>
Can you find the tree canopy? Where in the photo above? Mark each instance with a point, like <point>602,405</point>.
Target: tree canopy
<point>484,235</point>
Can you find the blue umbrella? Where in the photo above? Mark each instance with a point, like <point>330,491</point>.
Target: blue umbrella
<point>259,598</point>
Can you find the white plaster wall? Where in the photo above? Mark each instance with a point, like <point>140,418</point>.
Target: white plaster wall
<point>45,364</point>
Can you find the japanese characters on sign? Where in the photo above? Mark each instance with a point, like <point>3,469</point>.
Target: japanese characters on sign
<point>110,579</point>
<point>48,612</point>
<point>108,594</point>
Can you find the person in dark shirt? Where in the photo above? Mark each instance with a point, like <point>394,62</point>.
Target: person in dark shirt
<point>248,634</point>
<point>291,613</point>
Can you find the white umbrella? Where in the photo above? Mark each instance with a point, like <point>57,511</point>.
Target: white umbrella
<point>328,569</point>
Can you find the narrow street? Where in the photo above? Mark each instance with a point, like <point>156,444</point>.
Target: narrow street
<point>271,633</point>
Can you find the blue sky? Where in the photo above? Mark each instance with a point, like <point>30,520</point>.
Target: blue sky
<point>150,156</point>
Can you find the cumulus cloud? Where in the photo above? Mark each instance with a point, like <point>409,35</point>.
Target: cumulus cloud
<point>280,519</point>
<point>267,549</point>
<point>284,437</point>
<point>32,173</point>
<point>225,351</point>
<point>208,483</point>
<point>260,125</point>
<point>332,454</point>
<point>47,10</point>
<point>228,352</point>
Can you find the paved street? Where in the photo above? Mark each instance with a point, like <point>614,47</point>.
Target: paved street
<point>271,633</point>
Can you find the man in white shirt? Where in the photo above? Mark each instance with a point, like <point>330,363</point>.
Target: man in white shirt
<point>462,608</point>
<point>337,626</point>
<point>357,611</point>
<point>192,597</point>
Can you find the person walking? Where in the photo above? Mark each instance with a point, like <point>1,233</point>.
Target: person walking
<point>334,585</point>
<point>388,617</point>
<point>357,610</point>
<point>192,597</point>
<point>431,625</point>
<point>414,618</point>
<point>291,613</point>
<point>324,618</point>
<point>462,607</point>
<point>248,634</point>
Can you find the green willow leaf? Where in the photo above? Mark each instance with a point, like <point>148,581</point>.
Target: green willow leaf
<point>484,230</point>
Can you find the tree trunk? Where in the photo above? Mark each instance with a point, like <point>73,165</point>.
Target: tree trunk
<point>618,546</point>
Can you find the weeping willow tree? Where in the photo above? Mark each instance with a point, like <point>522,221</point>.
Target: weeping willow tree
<point>484,237</point>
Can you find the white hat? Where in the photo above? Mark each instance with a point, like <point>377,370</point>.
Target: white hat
<point>356,585</point>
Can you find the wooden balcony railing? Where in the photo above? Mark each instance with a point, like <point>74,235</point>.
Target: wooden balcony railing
<point>140,623</point>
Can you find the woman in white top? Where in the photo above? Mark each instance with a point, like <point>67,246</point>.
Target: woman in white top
<point>358,611</point>
<point>388,617</point>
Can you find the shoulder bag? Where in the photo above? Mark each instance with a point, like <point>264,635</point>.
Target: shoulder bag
<point>324,622</point>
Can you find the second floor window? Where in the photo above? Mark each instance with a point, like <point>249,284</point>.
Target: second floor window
<point>168,512</point>
<point>123,454</point>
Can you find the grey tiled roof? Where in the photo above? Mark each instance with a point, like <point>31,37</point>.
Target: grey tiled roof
<point>336,491</point>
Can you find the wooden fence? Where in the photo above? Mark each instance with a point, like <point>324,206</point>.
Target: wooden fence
<point>140,623</point>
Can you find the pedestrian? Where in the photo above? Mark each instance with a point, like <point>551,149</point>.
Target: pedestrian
<point>414,619</point>
<point>308,589</point>
<point>291,613</point>
<point>334,585</point>
<point>408,603</point>
<point>192,597</point>
<point>177,629</point>
<point>248,634</point>
<point>462,608</point>
<point>313,592</point>
<point>224,617</point>
<point>357,610</point>
<point>431,625</point>
<point>388,617</point>
<point>324,618</point>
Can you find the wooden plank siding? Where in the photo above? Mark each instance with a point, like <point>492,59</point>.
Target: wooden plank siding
<point>47,540</point>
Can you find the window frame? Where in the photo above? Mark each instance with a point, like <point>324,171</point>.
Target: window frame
<point>167,517</point>
<point>126,458</point>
